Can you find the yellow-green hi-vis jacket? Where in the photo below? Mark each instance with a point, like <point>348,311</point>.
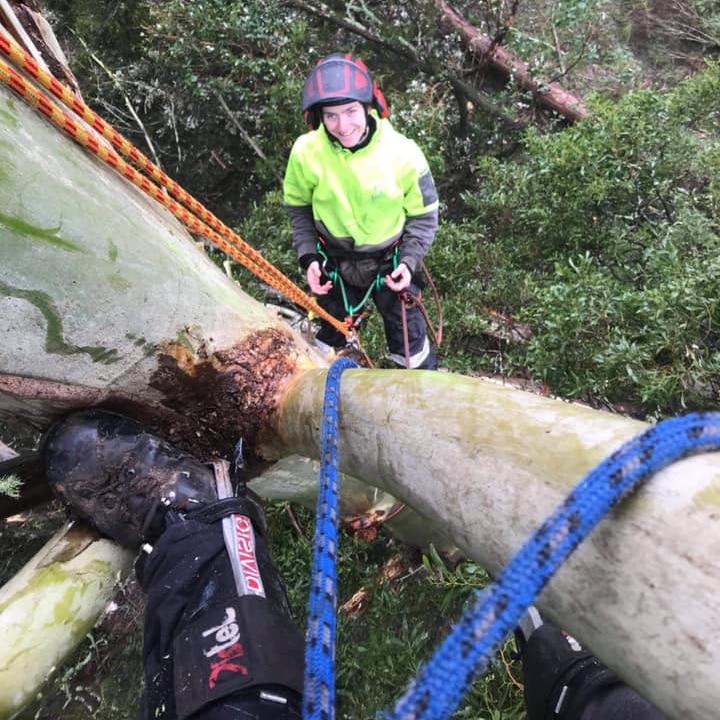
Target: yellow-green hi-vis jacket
<point>363,200</point>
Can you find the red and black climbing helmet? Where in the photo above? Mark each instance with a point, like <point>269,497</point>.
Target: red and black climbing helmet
<point>340,77</point>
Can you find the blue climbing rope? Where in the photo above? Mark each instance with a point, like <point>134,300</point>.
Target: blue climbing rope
<point>464,655</point>
<point>319,690</point>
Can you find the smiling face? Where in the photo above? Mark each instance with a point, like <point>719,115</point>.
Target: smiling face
<point>347,123</point>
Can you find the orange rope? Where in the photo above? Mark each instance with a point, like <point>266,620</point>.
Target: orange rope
<point>196,217</point>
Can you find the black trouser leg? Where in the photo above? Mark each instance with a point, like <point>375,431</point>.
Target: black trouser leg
<point>420,349</point>
<point>334,305</point>
<point>208,651</point>
<point>563,681</point>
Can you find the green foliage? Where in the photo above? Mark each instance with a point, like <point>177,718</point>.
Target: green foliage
<point>421,115</point>
<point>216,87</point>
<point>611,228</point>
<point>267,229</point>
<point>10,485</point>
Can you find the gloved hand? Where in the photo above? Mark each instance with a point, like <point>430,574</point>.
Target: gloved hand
<point>399,278</point>
<point>314,276</point>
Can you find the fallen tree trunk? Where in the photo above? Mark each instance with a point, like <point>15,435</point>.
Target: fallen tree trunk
<point>551,96</point>
<point>363,507</point>
<point>487,463</point>
<point>106,301</point>
<point>51,605</point>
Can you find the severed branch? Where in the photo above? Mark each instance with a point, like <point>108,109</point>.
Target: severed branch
<point>320,10</point>
<point>244,133</point>
<point>551,95</point>
<point>504,29</point>
<point>460,87</point>
<point>486,48</point>
<point>24,20</point>
<point>240,128</point>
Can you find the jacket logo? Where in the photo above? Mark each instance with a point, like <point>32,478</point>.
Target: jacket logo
<point>377,191</point>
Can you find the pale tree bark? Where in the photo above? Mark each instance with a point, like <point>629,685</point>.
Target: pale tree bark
<point>104,300</point>
<point>487,463</point>
<point>50,606</point>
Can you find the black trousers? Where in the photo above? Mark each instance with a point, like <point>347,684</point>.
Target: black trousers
<point>564,681</point>
<point>211,654</point>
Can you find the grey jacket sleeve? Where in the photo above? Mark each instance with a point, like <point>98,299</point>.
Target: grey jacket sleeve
<point>304,232</point>
<point>417,237</point>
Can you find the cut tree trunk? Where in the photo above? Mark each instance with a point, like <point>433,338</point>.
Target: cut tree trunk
<point>487,464</point>
<point>49,607</point>
<point>551,96</point>
<point>105,300</point>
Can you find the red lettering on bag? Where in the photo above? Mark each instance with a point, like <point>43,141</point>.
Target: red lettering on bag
<point>246,553</point>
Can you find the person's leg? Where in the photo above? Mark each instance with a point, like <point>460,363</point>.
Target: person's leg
<point>209,651</point>
<point>564,681</point>
<point>214,643</point>
<point>419,348</point>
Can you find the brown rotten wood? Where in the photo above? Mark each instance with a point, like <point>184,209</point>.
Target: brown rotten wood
<point>551,96</point>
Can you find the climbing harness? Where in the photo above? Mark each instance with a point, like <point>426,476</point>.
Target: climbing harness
<point>464,655</point>
<point>354,314</point>
<point>195,216</point>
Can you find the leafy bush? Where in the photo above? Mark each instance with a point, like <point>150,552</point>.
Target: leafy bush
<point>611,228</point>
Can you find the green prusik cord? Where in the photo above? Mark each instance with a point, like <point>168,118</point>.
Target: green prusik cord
<point>334,275</point>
